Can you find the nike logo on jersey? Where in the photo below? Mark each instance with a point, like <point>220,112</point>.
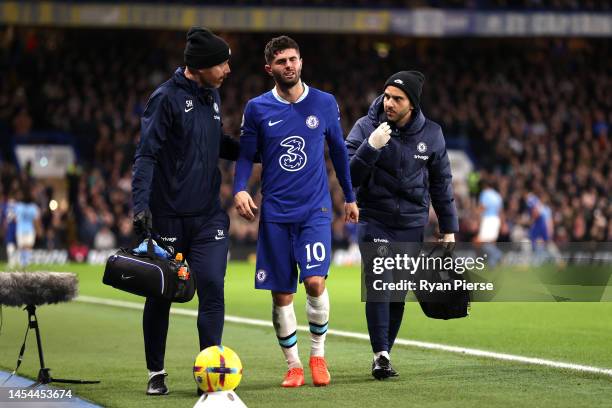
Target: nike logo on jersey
<point>220,235</point>
<point>270,123</point>
<point>308,266</point>
<point>187,110</point>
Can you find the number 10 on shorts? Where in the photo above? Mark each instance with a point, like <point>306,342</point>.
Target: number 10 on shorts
<point>317,251</point>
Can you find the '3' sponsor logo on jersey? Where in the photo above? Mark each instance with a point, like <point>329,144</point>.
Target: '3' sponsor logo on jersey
<point>295,158</point>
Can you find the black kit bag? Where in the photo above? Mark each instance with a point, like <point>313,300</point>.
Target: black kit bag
<point>447,304</point>
<point>149,275</point>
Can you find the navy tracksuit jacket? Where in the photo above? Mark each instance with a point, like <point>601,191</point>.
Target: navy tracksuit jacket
<point>176,176</point>
<point>395,186</point>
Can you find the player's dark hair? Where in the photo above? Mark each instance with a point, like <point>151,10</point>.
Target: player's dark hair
<point>278,44</point>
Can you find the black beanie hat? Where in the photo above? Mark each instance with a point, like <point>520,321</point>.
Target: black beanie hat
<point>411,82</point>
<point>204,49</point>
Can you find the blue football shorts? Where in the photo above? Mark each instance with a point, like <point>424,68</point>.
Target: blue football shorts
<point>283,247</point>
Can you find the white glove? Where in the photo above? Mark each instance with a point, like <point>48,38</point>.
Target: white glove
<point>380,136</point>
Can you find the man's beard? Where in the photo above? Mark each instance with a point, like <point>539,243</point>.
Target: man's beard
<point>398,116</point>
<point>286,83</point>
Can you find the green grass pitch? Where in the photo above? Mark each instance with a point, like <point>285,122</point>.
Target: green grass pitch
<point>89,341</point>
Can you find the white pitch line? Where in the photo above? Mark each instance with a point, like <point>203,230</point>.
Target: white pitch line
<point>362,336</point>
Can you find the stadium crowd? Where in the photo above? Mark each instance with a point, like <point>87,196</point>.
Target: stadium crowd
<point>533,114</point>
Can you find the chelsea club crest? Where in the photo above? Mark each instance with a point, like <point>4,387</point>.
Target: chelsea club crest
<point>312,122</point>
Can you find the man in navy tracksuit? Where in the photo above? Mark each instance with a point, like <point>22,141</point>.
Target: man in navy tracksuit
<point>398,165</point>
<point>175,188</point>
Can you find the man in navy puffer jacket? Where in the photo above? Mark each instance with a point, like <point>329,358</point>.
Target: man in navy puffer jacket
<point>399,166</point>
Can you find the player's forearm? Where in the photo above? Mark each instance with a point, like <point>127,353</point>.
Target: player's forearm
<point>357,170</point>
<point>340,161</point>
<point>244,166</point>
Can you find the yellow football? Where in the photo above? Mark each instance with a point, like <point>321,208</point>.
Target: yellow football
<point>217,368</point>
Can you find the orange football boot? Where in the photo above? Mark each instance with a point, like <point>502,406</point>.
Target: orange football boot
<point>294,378</point>
<point>319,372</point>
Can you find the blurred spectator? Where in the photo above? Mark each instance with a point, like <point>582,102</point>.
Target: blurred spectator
<point>105,239</point>
<point>124,235</point>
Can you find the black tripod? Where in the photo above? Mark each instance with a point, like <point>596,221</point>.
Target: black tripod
<point>44,377</point>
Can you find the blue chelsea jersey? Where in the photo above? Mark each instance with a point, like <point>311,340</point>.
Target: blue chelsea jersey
<point>291,140</point>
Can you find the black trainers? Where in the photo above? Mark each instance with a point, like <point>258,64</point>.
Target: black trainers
<point>157,385</point>
<point>381,368</point>
<point>200,392</point>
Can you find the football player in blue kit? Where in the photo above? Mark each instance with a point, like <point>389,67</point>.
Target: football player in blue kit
<point>288,126</point>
